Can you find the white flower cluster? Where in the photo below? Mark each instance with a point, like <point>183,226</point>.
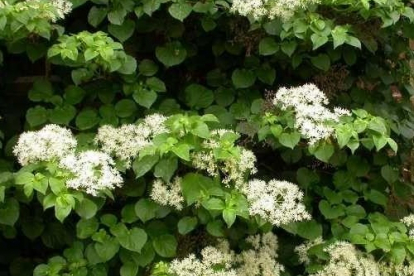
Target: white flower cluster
<point>168,193</point>
<point>52,10</point>
<point>234,169</point>
<point>63,7</point>
<point>390,269</point>
<point>261,260</point>
<point>92,171</point>
<point>312,118</point>
<point>211,257</point>
<point>279,202</point>
<point>346,260</point>
<point>302,250</point>
<point>126,141</point>
<point>259,9</point>
<point>50,143</point>
<point>409,222</point>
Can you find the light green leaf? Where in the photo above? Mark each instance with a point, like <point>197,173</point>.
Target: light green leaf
<point>180,10</point>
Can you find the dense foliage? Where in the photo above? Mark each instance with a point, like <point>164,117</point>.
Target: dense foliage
<point>206,138</point>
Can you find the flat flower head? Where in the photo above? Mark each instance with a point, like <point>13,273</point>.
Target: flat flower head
<point>92,172</point>
<point>51,143</point>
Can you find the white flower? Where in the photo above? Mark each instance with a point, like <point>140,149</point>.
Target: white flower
<point>279,202</point>
<point>302,250</point>
<point>205,161</point>
<point>346,260</point>
<point>220,260</point>
<point>63,7</point>
<point>409,222</point>
<point>92,171</point>
<point>124,142</point>
<point>312,118</point>
<point>206,266</point>
<point>168,194</point>
<point>52,10</point>
<point>235,168</point>
<point>155,122</point>
<point>50,143</point>
<point>261,260</point>
<point>259,9</point>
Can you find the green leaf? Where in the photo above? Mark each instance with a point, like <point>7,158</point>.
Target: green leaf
<point>324,152</point>
<point>266,74</point>
<point>166,168</point>
<point>142,165</point>
<point>125,108</point>
<point>289,140</point>
<point>268,46</point>
<point>87,119</point>
<point>147,67</point>
<point>306,177</point>
<point>80,75</point>
<point>201,130</point>
<point>63,207</point>
<point>215,204</point>
<point>85,228</point>
<point>393,144</point>
<point>353,41</point>
<point>182,151</point>
<point>330,212</point>
<point>156,84</point>
<point>146,209</point>
<point>86,209</point>
<point>171,54</point>
<point>180,10</point>
<point>339,34</point>
<point>398,254</point>
<point>40,185</point>
<point>229,216</point>
<point>37,116</point>
<point>243,78</point>
<point>377,197</point>
<point>198,96</point>
<point>107,249</point>
<point>186,225</point>
<point>208,23</point>
<point>194,186</point>
<point>165,245</point>
<point>145,97</point>
<point>216,228</point>
<point>378,124</point>
<point>133,239</point>
<point>309,229</point>
<point>122,32</point>
<point>128,67</point>
<point>390,174</point>
<point>318,40</point>
<point>380,141</point>
<point>289,47</point>
<point>24,178</point>
<point>62,114</point>
<point>96,15</point>
<point>42,90</point>
<point>321,61</point>
<point>9,211</point>
<point>129,269</point>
